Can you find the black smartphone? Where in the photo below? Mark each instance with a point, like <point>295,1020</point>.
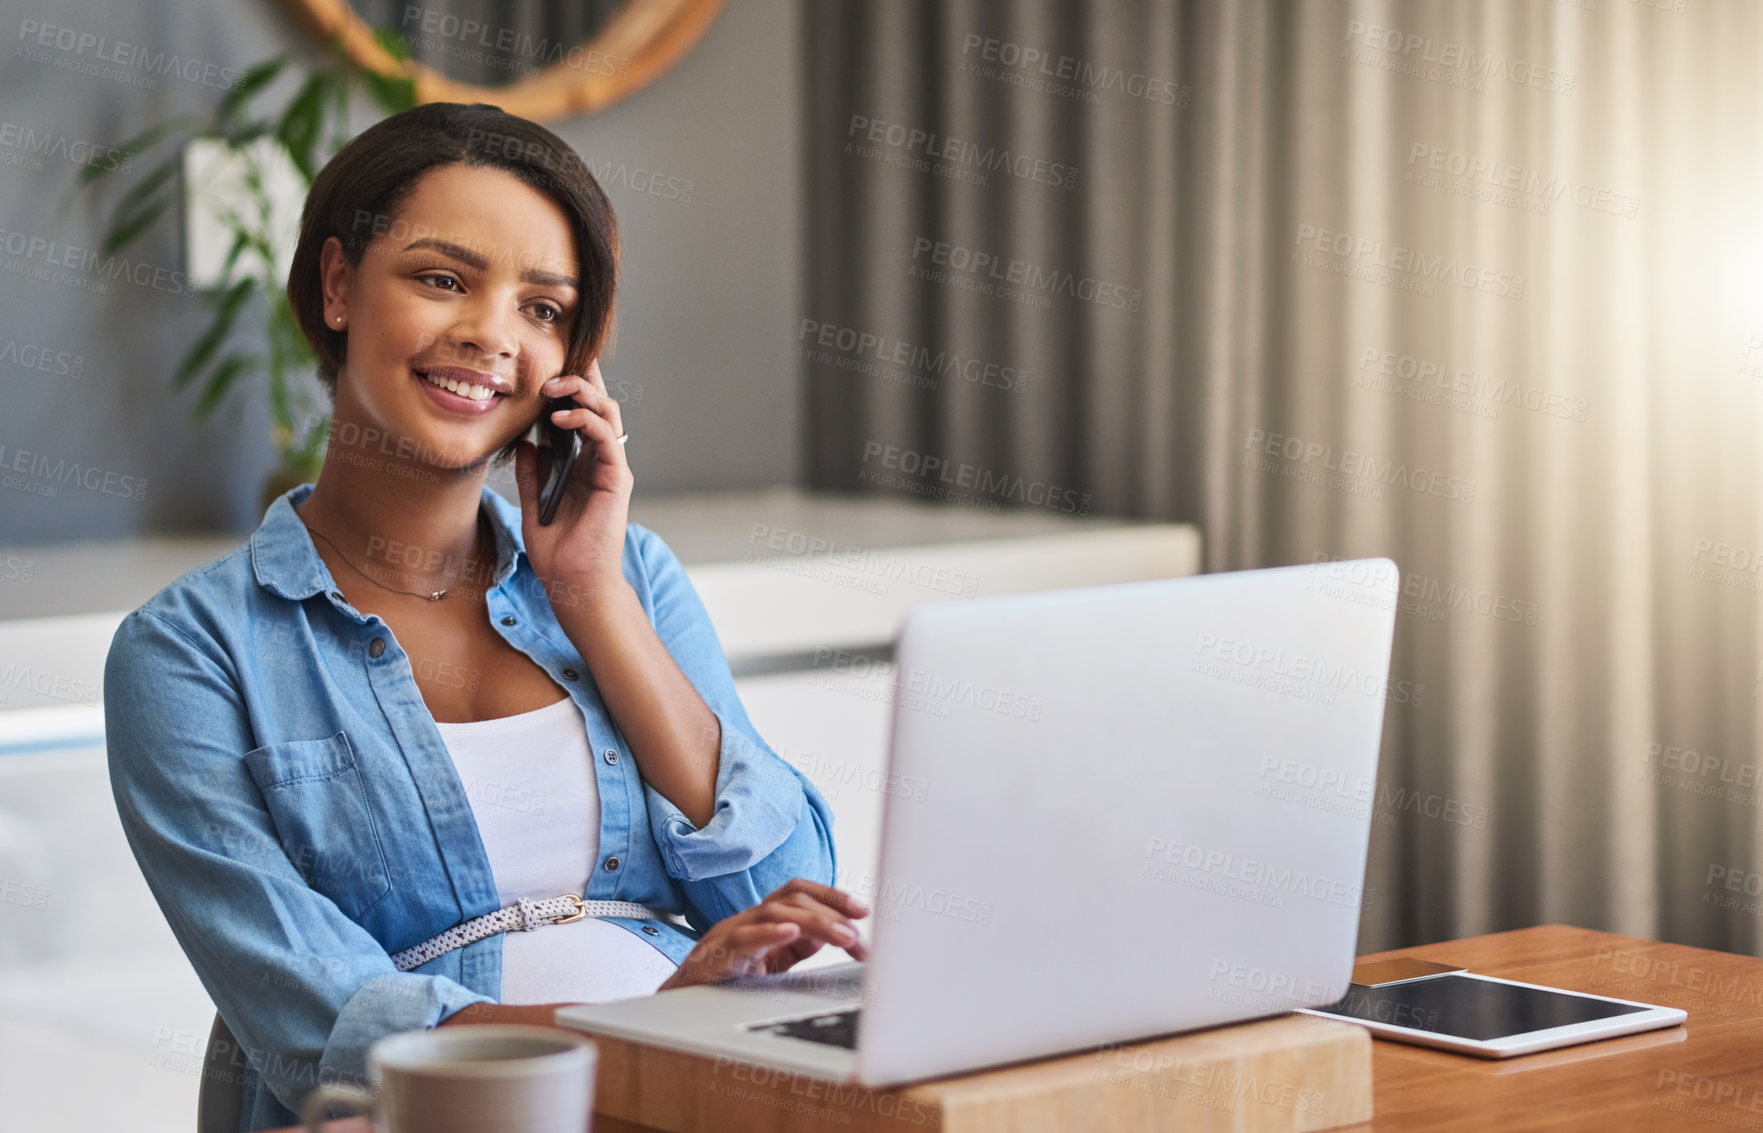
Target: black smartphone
<point>566,446</point>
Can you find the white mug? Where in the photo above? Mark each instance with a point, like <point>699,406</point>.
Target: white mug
<point>470,1078</point>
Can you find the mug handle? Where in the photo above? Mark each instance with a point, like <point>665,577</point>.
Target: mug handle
<point>312,1113</point>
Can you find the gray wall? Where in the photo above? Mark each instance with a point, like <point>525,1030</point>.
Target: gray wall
<point>707,318</point>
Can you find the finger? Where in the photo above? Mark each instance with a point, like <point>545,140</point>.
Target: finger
<point>595,428</point>
<point>603,404</point>
<point>563,385</point>
<point>825,894</point>
<point>818,921</point>
<point>836,898</point>
<point>588,388</point>
<point>593,402</point>
<point>738,948</point>
<point>732,943</point>
<point>585,416</point>
<point>572,385</point>
<point>809,943</point>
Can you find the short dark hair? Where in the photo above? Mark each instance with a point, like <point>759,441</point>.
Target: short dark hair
<point>361,190</point>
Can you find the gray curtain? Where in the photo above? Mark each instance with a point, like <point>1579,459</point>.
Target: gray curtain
<point>1477,286</point>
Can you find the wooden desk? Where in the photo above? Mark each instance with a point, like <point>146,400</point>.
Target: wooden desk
<point>1647,1082</point>
<point>1705,1076</point>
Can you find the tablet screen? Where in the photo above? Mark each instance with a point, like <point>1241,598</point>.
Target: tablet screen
<point>1472,1009</point>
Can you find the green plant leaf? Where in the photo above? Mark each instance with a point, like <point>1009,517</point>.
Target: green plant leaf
<point>225,315</point>
<point>241,240</point>
<point>279,410</point>
<point>394,95</point>
<point>142,142</point>
<point>300,353</point>
<point>137,209</point>
<point>126,233</point>
<point>243,134</point>
<point>221,380</point>
<point>254,80</point>
<point>391,37</point>
<point>338,115</point>
<point>300,125</point>
<point>303,121</point>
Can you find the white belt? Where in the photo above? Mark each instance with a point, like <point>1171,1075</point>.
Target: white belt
<point>524,915</point>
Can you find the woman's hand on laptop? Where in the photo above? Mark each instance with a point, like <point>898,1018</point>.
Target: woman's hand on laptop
<point>789,926</point>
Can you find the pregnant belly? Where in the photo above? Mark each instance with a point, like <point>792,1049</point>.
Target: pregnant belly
<point>587,961</point>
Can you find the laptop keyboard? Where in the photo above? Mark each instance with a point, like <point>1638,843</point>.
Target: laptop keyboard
<point>836,982</point>
<point>834,1028</point>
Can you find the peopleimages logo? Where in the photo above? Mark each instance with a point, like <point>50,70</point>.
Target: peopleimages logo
<point>88,45</point>
<point>991,484</point>
<point>510,41</point>
<point>1492,392</point>
<point>927,151</point>
<point>1458,63</point>
<point>60,470</point>
<point>1281,663</point>
<point>1426,590</point>
<point>27,140</point>
<point>1049,71</point>
<point>855,344</point>
<point>1272,880</point>
<point>1519,182</point>
<point>1374,256</point>
<point>29,250</point>
<point>57,363</point>
<point>1359,466</point>
<point>959,690</point>
<point>894,897</point>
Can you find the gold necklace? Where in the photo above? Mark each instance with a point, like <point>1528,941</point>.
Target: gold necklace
<point>432,596</point>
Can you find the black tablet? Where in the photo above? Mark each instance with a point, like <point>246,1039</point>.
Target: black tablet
<point>1492,1018</point>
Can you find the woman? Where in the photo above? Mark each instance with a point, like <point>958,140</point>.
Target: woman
<point>405,704</point>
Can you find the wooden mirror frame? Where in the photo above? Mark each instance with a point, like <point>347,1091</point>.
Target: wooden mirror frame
<point>651,35</point>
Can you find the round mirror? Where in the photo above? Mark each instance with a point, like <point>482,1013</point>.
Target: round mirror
<point>538,60</point>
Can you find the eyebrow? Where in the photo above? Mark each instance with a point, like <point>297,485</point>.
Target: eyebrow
<point>530,275</point>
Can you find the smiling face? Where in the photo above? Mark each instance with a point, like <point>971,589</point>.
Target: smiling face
<point>472,286</point>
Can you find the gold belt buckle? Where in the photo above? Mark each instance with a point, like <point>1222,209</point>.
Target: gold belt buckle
<point>581,909</point>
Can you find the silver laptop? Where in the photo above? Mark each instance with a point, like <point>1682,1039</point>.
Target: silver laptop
<point>1146,810</point>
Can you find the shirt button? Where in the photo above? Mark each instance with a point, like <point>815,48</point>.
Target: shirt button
<point>570,674</point>
<point>611,755</point>
<point>509,620</point>
<point>338,595</point>
<point>376,647</point>
<point>651,930</point>
<point>611,864</point>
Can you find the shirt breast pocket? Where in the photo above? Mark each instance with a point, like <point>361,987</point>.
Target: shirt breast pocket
<point>316,797</point>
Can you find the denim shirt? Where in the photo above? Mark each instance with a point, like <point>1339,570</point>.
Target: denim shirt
<point>298,819</point>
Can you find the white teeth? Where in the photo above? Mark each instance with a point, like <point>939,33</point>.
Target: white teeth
<point>463,389</point>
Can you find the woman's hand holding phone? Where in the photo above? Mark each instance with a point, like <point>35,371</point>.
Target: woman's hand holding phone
<point>583,545</point>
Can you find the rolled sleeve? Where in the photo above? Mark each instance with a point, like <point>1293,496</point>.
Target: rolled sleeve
<point>770,823</point>
<point>303,988</point>
<point>392,1001</point>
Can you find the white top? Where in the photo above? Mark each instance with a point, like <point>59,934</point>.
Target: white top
<point>530,780</point>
